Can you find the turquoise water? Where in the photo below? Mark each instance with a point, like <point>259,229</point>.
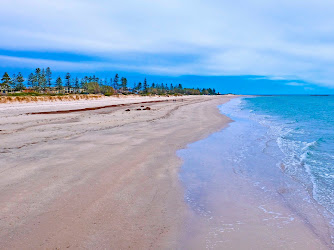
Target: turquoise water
<point>283,148</point>
<point>304,127</point>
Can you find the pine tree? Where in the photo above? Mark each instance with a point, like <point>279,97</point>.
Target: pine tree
<point>68,81</point>
<point>73,83</point>
<point>139,86</point>
<point>59,83</point>
<point>48,75</point>
<point>116,80</point>
<point>37,72</point>
<point>37,78</point>
<point>14,82</point>
<point>42,80</point>
<point>145,86</point>
<point>153,85</point>
<point>76,84</point>
<point>20,82</point>
<point>83,84</point>
<point>6,81</point>
<point>124,83</point>
<point>32,81</point>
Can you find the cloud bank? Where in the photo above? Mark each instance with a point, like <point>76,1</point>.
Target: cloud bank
<point>276,39</point>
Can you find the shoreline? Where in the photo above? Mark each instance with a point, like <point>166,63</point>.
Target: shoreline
<point>99,178</point>
<point>237,191</point>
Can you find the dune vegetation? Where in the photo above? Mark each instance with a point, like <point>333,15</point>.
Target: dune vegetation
<point>41,85</point>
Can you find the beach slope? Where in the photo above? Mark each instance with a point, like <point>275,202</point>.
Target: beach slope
<point>98,178</point>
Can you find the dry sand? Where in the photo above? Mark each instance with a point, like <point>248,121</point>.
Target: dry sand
<point>97,179</point>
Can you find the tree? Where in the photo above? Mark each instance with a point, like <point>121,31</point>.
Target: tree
<point>83,84</point>
<point>153,85</point>
<point>145,86</point>
<point>68,81</point>
<point>124,83</point>
<point>6,81</point>
<point>106,90</point>
<point>138,87</point>
<point>93,88</point>
<point>42,80</point>
<point>37,71</point>
<point>204,92</point>
<point>59,83</point>
<point>13,82</point>
<point>48,75</point>
<point>32,81</point>
<point>76,84</point>
<point>37,77</point>
<point>20,82</point>
<point>116,80</point>
<point>210,91</point>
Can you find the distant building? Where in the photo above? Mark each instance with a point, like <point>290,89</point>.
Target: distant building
<point>67,90</point>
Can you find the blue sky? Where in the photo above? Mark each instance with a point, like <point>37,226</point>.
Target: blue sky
<point>235,46</point>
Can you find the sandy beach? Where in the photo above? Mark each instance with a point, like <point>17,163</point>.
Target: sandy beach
<point>101,178</point>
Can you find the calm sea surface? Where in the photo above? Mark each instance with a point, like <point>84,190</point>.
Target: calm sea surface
<point>283,145</point>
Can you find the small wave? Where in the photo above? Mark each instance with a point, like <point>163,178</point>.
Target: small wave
<point>310,145</point>
<point>329,176</point>
<point>277,216</point>
<point>306,142</point>
<point>303,158</point>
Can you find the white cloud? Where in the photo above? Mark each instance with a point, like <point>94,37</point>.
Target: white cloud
<point>23,62</point>
<point>277,39</point>
<point>295,84</point>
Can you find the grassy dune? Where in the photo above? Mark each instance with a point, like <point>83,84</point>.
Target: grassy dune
<point>29,98</point>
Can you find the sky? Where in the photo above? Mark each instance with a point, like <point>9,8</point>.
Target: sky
<point>258,46</point>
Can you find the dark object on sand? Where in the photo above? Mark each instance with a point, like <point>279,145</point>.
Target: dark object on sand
<point>147,108</point>
<point>138,109</point>
<point>127,110</point>
<point>142,106</point>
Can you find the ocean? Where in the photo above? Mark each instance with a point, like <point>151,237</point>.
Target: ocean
<point>303,127</point>
<point>282,149</point>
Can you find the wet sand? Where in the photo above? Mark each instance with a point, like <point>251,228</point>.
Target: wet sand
<point>98,178</point>
<point>240,198</point>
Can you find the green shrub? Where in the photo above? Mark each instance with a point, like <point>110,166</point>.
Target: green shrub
<point>25,94</point>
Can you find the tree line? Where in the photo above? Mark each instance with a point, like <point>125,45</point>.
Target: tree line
<point>41,81</point>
